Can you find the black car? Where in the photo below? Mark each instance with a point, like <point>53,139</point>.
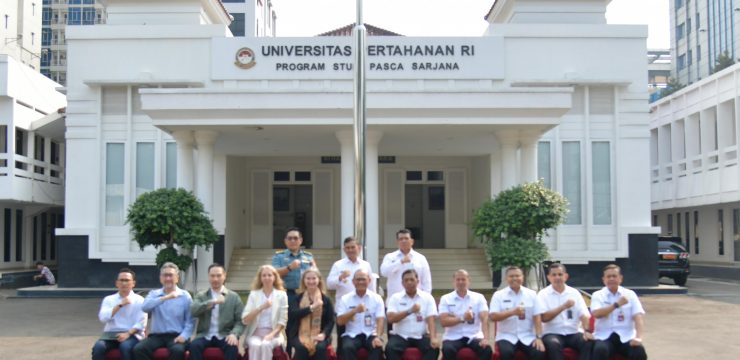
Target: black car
<point>673,260</point>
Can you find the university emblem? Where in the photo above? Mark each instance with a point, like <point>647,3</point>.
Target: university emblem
<point>245,58</point>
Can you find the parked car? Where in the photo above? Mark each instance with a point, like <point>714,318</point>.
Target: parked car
<point>673,260</point>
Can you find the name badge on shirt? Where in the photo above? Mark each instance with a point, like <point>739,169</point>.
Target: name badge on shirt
<point>620,316</point>
<point>368,320</point>
<point>419,318</point>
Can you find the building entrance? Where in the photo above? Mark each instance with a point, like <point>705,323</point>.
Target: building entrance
<point>425,215</point>
<point>292,206</point>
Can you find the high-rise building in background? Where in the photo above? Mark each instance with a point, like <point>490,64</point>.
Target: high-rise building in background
<point>253,18</point>
<point>20,28</point>
<point>56,16</point>
<point>700,32</point>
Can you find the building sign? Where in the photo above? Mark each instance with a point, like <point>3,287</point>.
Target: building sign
<point>388,57</point>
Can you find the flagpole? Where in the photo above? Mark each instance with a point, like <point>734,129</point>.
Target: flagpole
<point>359,127</point>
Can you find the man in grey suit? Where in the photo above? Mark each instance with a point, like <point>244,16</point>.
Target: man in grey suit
<point>219,313</point>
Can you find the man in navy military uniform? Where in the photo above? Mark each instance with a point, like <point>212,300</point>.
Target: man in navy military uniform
<point>293,261</point>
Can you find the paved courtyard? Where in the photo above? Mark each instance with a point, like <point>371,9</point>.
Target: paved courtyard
<point>677,326</point>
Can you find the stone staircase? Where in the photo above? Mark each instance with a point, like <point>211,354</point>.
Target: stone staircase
<point>443,263</point>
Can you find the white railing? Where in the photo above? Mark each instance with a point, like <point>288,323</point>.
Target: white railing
<point>25,167</point>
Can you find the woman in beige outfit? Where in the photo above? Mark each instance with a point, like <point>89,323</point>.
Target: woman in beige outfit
<point>265,314</point>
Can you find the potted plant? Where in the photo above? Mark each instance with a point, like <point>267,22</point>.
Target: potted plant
<point>512,225</point>
<point>173,219</point>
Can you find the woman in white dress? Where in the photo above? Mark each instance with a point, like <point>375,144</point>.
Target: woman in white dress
<point>265,314</point>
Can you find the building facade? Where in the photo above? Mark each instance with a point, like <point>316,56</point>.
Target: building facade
<point>20,31</point>
<point>31,165</point>
<point>694,172</point>
<point>701,31</point>
<point>260,129</point>
<point>252,18</point>
<point>56,16</point>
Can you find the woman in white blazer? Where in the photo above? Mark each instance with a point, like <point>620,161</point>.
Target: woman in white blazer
<point>265,314</point>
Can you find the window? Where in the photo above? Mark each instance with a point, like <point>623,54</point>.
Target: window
<point>696,232</point>
<point>679,4</point>
<point>74,2</point>
<point>572,180</point>
<point>698,53</point>
<point>88,16</point>
<point>171,165</point>
<point>237,26</point>
<point>3,143</point>
<point>680,31</point>
<point>681,62</point>
<point>74,15</point>
<point>114,168</point>
<point>690,57</point>
<point>45,38</point>
<point>669,226</point>
<point>601,177</point>
<point>46,16</point>
<point>543,163</point>
<point>55,158</point>
<point>697,21</point>
<point>18,235</point>
<point>144,167</point>
<point>655,220</point>
<point>6,21</point>
<point>88,2</point>
<point>39,152</point>
<point>21,141</point>
<point>688,26</point>
<point>435,176</point>
<point>413,176</point>
<point>721,231</point>
<point>302,176</point>
<point>6,234</point>
<point>281,176</point>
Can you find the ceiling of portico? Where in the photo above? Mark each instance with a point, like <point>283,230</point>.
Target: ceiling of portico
<point>398,140</point>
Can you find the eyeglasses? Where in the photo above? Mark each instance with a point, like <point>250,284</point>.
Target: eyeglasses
<point>167,275</point>
<point>292,238</point>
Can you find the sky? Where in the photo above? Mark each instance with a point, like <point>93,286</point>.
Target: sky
<point>443,17</point>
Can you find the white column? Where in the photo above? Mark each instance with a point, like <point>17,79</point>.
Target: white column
<point>204,140</point>
<point>528,158</point>
<point>372,196</point>
<point>184,140</point>
<point>347,184</point>
<point>509,141</point>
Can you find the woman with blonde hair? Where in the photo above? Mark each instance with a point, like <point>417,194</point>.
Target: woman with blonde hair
<point>265,314</point>
<point>310,318</point>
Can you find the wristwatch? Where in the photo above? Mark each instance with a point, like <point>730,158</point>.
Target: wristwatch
<point>616,305</point>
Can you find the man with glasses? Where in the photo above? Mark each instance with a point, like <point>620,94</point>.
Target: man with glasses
<point>124,321</point>
<point>293,261</point>
<point>172,323</point>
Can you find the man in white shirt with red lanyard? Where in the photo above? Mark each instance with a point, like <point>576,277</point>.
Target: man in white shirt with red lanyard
<point>518,313</point>
<point>565,316</point>
<point>413,314</point>
<point>619,319</point>
<point>395,263</point>
<point>464,315</point>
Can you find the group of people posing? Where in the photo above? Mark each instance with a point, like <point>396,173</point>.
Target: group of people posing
<point>288,307</point>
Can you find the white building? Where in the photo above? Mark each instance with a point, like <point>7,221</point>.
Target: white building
<point>260,129</point>
<point>20,31</point>
<point>31,165</point>
<point>700,32</point>
<point>694,169</point>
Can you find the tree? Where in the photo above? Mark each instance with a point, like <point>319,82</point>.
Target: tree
<point>170,217</point>
<point>671,86</point>
<point>513,224</point>
<point>722,62</point>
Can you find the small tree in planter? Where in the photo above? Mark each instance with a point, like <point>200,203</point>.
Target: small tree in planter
<point>513,223</point>
<point>169,217</point>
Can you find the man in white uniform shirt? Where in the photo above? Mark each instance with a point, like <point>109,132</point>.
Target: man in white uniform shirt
<point>464,315</point>
<point>340,276</point>
<point>413,313</point>
<point>565,316</point>
<point>123,318</point>
<point>518,313</point>
<point>395,263</point>
<point>362,313</point>
<point>619,319</point>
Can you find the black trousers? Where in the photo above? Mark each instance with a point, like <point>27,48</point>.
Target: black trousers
<point>451,347</point>
<point>397,345</point>
<point>554,345</point>
<point>604,349</point>
<point>144,350</point>
<point>199,345</point>
<point>507,350</point>
<point>302,353</point>
<point>351,345</point>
